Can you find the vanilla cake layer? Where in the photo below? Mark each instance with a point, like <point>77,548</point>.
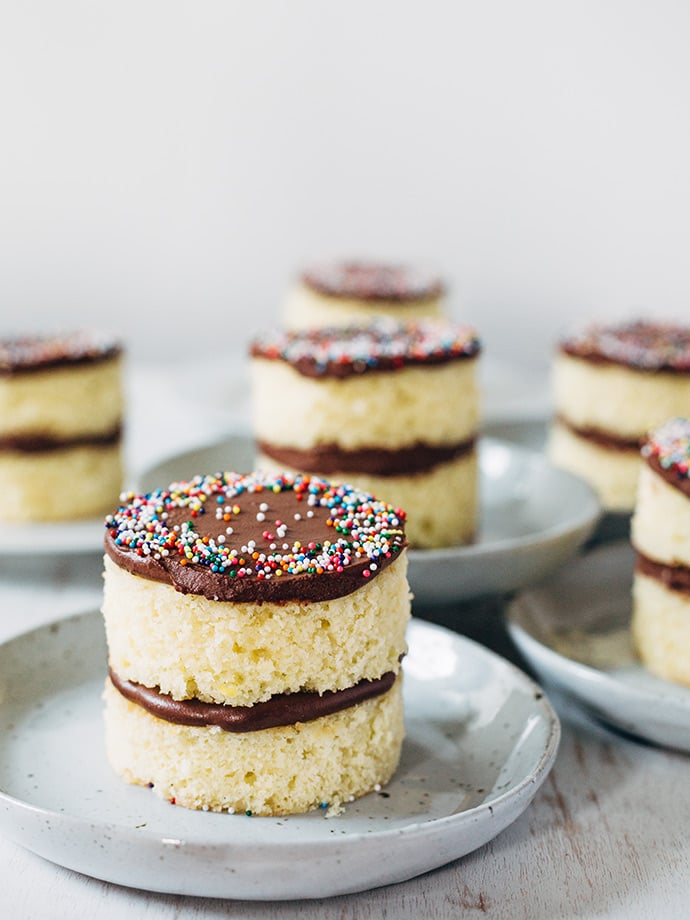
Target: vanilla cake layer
<point>620,401</point>
<point>432,519</point>
<point>59,484</point>
<point>660,527</point>
<point>238,653</point>
<point>612,472</point>
<point>305,308</point>
<point>63,402</point>
<point>661,628</point>
<point>276,771</point>
<point>427,403</point>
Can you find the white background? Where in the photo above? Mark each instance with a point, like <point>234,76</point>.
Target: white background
<point>166,167</point>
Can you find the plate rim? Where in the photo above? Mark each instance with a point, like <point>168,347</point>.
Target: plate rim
<point>575,677</point>
<point>499,808</point>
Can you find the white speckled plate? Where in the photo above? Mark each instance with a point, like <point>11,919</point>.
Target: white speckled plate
<point>574,631</point>
<point>481,738</point>
<point>532,518</point>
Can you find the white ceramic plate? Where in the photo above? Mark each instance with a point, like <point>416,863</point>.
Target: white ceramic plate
<point>481,738</point>
<point>52,538</point>
<point>574,631</point>
<point>533,518</point>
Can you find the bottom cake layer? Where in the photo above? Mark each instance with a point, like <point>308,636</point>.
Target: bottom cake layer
<point>275,771</point>
<point>67,483</point>
<point>441,503</point>
<point>661,628</point>
<point>612,471</point>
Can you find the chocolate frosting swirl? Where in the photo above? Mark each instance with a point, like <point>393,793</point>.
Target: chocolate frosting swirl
<point>256,538</point>
<point>279,710</point>
<point>37,353</point>
<point>372,281</point>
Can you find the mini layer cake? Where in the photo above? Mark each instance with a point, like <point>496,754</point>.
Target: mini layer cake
<point>390,407</point>
<point>611,386</point>
<point>61,408</point>
<point>660,533</point>
<point>256,627</point>
<point>343,293</point>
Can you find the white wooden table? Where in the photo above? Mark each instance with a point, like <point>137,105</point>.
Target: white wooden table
<point>607,836</point>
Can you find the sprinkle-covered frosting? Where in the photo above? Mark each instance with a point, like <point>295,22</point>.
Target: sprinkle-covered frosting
<point>34,353</point>
<point>669,447</point>
<point>230,536</point>
<point>641,344</point>
<point>383,345</point>
<point>372,281</point>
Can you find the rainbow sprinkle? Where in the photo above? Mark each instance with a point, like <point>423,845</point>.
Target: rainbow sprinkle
<point>381,344</point>
<point>640,344</point>
<point>670,445</point>
<point>33,352</point>
<point>363,528</point>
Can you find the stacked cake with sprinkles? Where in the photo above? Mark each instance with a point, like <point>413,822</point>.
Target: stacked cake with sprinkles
<point>346,292</point>
<point>611,385</point>
<point>660,533</point>
<point>255,627</point>
<point>391,407</point>
<point>61,412</point>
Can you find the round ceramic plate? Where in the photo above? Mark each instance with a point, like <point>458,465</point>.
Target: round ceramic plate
<point>532,518</point>
<point>575,632</point>
<point>533,434</point>
<point>481,738</point>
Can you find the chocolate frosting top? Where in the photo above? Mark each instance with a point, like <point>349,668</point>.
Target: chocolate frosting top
<point>641,345</point>
<point>255,537</point>
<point>37,353</point>
<point>281,709</point>
<point>375,281</point>
<point>667,451</point>
<point>382,345</point>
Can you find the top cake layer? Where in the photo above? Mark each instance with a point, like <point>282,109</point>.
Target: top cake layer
<point>37,353</point>
<point>640,345</point>
<point>254,537</point>
<point>372,281</point>
<point>667,451</point>
<point>382,345</point>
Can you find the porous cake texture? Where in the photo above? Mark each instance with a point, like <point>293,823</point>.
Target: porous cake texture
<point>256,627</point>
<point>61,414</point>
<point>346,292</point>
<point>391,407</point>
<point>611,385</point>
<point>660,533</point>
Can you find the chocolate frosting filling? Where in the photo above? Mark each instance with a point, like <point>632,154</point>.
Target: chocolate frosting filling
<point>260,527</point>
<point>603,438</point>
<point>670,475</point>
<point>674,577</point>
<point>282,709</point>
<point>36,443</point>
<point>327,459</point>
